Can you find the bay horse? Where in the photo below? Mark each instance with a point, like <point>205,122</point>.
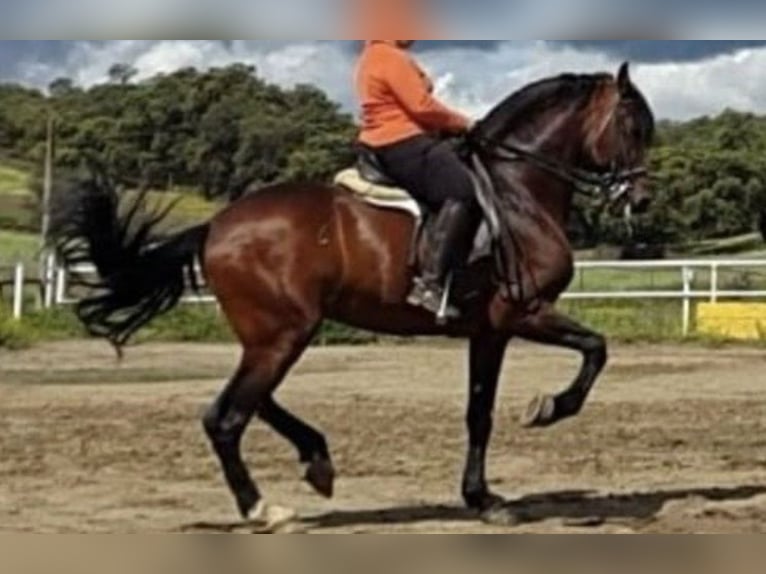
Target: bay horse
<point>286,257</point>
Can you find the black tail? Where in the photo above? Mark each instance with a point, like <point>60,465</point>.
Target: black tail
<point>141,274</point>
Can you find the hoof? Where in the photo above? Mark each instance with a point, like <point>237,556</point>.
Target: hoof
<point>541,412</point>
<point>321,476</point>
<point>484,501</point>
<point>501,516</point>
<point>268,518</point>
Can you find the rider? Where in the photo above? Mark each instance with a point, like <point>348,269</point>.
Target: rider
<point>401,122</point>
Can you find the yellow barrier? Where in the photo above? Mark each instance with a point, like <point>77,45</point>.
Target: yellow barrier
<point>745,321</point>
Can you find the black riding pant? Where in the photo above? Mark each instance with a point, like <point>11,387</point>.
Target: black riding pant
<point>429,169</point>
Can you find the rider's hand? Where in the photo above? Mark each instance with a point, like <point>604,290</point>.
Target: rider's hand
<point>470,123</point>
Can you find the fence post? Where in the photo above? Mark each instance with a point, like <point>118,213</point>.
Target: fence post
<point>60,286</point>
<point>688,276</point>
<point>49,276</point>
<point>714,283</point>
<point>18,290</point>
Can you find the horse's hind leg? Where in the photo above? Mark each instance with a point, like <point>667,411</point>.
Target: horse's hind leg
<point>310,444</point>
<point>264,364</point>
<point>225,423</point>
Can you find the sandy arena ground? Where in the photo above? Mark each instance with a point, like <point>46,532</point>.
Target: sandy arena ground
<point>674,440</point>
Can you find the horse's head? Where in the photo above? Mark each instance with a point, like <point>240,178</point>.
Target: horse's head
<point>589,131</point>
<point>619,128</point>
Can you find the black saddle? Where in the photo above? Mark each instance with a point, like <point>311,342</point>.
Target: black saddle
<point>370,169</point>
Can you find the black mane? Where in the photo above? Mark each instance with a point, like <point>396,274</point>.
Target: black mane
<point>523,105</point>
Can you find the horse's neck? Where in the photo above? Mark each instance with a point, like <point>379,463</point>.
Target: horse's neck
<point>554,141</point>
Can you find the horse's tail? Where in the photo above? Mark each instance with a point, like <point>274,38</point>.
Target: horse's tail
<point>141,274</point>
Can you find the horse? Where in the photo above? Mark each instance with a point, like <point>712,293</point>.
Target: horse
<point>286,257</point>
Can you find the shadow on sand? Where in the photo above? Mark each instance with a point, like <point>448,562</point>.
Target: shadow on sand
<point>577,508</point>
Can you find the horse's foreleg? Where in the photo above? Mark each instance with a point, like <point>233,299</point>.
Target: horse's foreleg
<point>549,327</point>
<point>486,357</point>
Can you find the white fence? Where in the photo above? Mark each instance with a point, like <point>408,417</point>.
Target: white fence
<point>684,288</point>
<point>52,281</point>
<point>683,280</point>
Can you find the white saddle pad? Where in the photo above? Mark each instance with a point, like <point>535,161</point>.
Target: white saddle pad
<point>378,195</point>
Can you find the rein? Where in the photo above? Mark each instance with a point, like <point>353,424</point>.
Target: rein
<point>611,185</point>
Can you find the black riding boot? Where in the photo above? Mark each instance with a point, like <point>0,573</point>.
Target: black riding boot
<point>449,247</point>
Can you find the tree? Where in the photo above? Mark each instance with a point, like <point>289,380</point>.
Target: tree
<point>121,73</point>
<point>220,131</point>
<point>61,87</point>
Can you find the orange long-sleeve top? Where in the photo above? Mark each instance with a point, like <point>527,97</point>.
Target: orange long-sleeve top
<point>397,98</point>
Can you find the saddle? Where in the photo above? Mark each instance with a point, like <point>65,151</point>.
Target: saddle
<point>368,181</point>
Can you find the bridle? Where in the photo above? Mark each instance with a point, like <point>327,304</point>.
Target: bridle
<point>607,187</point>
<point>611,186</point>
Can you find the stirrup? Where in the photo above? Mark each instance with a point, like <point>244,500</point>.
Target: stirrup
<point>433,299</point>
<point>444,314</point>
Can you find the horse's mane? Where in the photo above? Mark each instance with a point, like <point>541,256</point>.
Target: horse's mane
<point>523,105</point>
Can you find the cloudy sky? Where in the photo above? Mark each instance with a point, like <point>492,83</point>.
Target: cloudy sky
<point>683,79</point>
<point>464,19</point>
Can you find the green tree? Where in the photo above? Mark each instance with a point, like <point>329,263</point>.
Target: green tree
<point>121,73</point>
<point>61,87</point>
<point>220,131</point>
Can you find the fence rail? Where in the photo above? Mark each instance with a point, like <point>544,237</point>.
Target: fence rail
<point>679,281</point>
<point>686,272</point>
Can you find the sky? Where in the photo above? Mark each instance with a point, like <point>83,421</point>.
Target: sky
<point>464,19</point>
<point>682,79</point>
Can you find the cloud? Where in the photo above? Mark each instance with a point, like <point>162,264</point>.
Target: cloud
<point>287,63</point>
<point>664,50</point>
<point>691,79</point>
<point>677,90</point>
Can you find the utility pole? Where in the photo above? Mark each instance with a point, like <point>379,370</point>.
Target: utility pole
<point>48,182</point>
<point>47,264</point>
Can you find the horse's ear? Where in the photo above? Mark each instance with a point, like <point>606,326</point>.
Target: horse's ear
<point>623,78</point>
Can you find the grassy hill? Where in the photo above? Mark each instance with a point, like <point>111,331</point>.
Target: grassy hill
<point>189,208</point>
<point>20,220</point>
<point>19,223</point>
<point>749,245</point>
<point>18,246</point>
<point>13,181</point>
<point>18,210</point>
